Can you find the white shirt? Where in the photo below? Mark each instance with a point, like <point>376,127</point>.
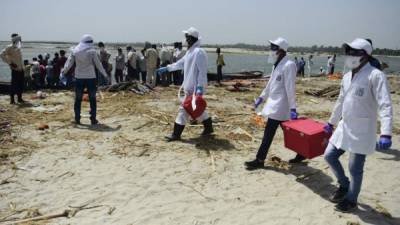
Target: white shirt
<point>132,59</point>
<point>194,64</point>
<point>280,92</point>
<point>360,101</point>
<point>178,54</point>
<point>165,55</point>
<point>85,61</point>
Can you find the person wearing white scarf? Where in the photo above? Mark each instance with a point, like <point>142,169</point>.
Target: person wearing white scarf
<point>13,57</point>
<point>85,58</point>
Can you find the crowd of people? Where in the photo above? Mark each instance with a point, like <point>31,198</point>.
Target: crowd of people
<point>44,72</point>
<point>364,95</point>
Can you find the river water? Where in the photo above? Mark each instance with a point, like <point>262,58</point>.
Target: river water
<point>235,62</point>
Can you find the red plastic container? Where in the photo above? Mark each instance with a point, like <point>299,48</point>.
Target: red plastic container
<point>305,136</point>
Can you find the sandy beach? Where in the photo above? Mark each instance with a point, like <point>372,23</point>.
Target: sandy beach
<point>122,172</point>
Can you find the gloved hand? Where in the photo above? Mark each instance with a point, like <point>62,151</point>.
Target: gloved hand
<point>293,114</point>
<point>199,90</point>
<point>328,128</point>
<point>258,101</point>
<point>385,141</point>
<point>161,70</point>
<point>63,79</point>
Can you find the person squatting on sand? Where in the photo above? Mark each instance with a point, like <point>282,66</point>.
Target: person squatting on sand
<point>85,58</point>
<point>364,95</point>
<point>194,66</point>
<point>280,97</point>
<point>13,57</point>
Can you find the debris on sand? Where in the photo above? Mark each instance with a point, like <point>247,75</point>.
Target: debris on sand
<point>240,134</point>
<point>335,76</point>
<point>257,120</point>
<point>42,126</point>
<point>277,162</point>
<point>331,91</point>
<point>239,85</point>
<point>133,86</point>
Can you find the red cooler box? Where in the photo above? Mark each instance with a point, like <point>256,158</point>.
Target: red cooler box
<point>305,136</point>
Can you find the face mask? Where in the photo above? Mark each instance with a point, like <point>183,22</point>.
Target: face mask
<point>272,57</point>
<point>352,62</point>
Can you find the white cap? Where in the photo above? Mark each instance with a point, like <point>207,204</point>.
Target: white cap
<point>360,44</point>
<point>192,32</point>
<point>281,42</point>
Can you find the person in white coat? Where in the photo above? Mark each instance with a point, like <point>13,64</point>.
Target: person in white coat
<point>280,97</point>
<point>364,95</point>
<point>194,65</point>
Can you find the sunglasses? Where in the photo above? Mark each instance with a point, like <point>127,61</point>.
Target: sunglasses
<point>274,47</point>
<point>353,52</point>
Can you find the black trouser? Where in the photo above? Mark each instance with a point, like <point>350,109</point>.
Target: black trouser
<point>177,76</point>
<point>219,73</point>
<point>166,78</point>
<point>118,75</point>
<point>17,84</point>
<point>144,75</point>
<point>269,133</point>
<point>302,71</point>
<point>331,70</point>
<point>133,73</point>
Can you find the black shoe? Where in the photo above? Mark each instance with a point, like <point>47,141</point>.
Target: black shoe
<point>12,101</point>
<point>20,100</point>
<point>338,195</point>
<point>298,159</point>
<point>254,164</point>
<point>208,128</point>
<point>176,135</point>
<point>346,206</point>
<point>94,122</point>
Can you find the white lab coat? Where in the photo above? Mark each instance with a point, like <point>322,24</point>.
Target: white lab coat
<point>194,65</point>
<point>280,92</point>
<point>357,107</point>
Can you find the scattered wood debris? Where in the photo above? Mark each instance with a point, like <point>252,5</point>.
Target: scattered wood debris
<point>331,91</point>
<point>133,86</point>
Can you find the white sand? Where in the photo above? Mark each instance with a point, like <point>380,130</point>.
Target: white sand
<point>146,181</point>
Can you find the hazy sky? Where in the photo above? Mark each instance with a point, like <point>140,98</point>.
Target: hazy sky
<point>301,22</point>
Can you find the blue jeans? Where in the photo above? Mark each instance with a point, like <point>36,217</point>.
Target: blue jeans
<point>356,168</point>
<point>80,85</point>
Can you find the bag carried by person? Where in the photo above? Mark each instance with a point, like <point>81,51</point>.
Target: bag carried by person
<point>200,105</point>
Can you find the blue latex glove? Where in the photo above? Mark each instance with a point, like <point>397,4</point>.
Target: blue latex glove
<point>258,101</point>
<point>161,70</point>
<point>293,114</point>
<point>328,128</point>
<point>199,90</point>
<point>385,141</point>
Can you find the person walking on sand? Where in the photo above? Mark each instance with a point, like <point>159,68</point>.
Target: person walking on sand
<point>151,57</point>
<point>302,64</point>
<point>178,54</point>
<point>220,63</point>
<point>86,59</point>
<point>364,95</point>
<point>280,97</point>
<point>104,57</point>
<point>194,65</point>
<point>165,59</point>
<point>132,64</point>
<point>119,66</point>
<point>13,57</point>
<point>331,64</point>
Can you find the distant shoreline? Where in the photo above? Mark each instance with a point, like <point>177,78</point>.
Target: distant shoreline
<point>232,50</point>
